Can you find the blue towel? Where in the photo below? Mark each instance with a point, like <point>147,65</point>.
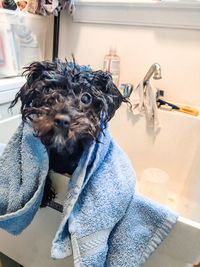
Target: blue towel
<point>23,170</point>
<point>2,147</point>
<point>105,223</point>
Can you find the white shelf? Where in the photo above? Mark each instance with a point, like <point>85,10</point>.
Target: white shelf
<point>9,87</point>
<point>166,14</point>
<point>11,83</point>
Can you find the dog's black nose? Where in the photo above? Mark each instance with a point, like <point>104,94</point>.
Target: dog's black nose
<point>62,121</point>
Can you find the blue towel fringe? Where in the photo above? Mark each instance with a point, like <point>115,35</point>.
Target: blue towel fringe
<point>158,236</point>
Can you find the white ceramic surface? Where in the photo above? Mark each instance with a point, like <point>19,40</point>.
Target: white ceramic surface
<point>175,149</point>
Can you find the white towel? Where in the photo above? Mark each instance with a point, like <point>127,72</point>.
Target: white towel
<point>143,100</point>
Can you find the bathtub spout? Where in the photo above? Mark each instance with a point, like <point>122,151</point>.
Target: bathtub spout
<point>155,71</point>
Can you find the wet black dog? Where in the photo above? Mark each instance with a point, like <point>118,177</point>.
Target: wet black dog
<point>68,106</point>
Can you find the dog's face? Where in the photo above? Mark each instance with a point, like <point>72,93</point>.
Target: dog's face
<point>67,104</point>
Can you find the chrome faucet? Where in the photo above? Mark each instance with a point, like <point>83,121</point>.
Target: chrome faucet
<point>154,70</point>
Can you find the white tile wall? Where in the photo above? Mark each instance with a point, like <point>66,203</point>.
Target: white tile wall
<point>177,50</point>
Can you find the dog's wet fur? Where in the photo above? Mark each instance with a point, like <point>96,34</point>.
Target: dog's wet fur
<point>68,106</point>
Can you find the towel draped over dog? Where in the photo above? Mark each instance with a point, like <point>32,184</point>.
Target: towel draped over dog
<point>23,171</point>
<point>104,223</point>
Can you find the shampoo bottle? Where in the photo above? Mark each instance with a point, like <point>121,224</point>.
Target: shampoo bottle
<point>112,65</point>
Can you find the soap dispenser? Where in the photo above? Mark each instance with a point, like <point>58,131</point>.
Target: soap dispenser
<point>112,65</point>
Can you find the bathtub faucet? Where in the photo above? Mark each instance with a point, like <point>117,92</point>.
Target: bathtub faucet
<point>154,70</point>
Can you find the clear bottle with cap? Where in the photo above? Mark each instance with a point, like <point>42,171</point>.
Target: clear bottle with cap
<point>112,65</point>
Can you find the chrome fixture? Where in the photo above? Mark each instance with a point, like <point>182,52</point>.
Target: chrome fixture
<point>126,89</point>
<point>154,70</point>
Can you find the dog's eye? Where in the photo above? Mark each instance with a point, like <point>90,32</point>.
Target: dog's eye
<point>86,99</point>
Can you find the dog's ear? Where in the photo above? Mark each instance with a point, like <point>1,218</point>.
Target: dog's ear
<point>41,78</point>
<point>112,96</point>
<point>35,74</point>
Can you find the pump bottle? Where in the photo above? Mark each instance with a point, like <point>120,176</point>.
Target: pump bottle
<point>112,65</point>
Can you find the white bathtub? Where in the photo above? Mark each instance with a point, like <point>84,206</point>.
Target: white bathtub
<point>175,149</point>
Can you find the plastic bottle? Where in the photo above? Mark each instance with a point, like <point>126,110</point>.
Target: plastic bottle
<point>112,65</point>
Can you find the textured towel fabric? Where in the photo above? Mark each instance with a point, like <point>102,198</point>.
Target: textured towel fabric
<point>104,222</point>
<point>23,170</point>
<point>143,100</point>
<point>53,7</point>
<point>2,147</point>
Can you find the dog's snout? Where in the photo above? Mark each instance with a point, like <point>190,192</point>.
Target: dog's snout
<point>62,121</point>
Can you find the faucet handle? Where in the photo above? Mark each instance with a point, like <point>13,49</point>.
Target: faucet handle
<point>126,89</point>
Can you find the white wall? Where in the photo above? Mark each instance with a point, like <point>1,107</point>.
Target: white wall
<point>49,38</point>
<point>177,50</point>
